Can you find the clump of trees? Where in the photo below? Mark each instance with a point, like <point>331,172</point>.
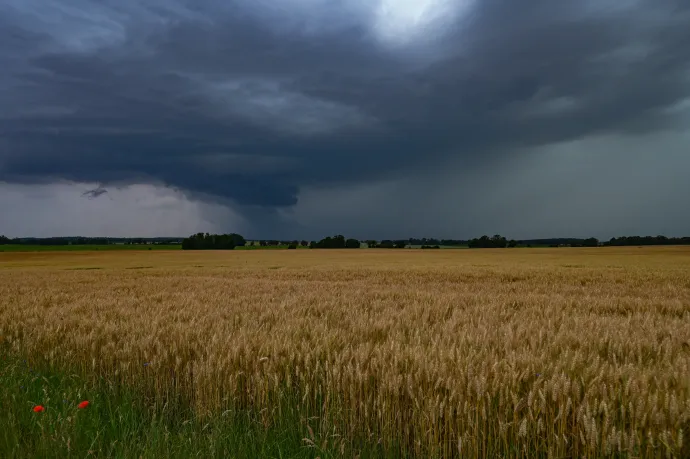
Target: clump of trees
<point>494,242</point>
<point>335,242</point>
<point>352,244</point>
<point>589,242</point>
<point>205,241</point>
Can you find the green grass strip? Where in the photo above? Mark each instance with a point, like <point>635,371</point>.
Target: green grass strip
<point>118,424</point>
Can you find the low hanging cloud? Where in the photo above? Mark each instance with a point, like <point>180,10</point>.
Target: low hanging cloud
<point>131,211</point>
<point>254,105</point>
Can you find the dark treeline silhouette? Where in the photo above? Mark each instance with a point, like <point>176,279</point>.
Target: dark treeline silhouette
<point>619,241</point>
<point>205,241</point>
<point>80,240</point>
<point>498,241</point>
<point>434,242</point>
<point>335,242</point>
<point>647,240</point>
<point>494,242</point>
<point>561,242</point>
<point>276,243</point>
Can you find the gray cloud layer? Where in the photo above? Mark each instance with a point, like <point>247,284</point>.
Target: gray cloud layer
<point>251,103</point>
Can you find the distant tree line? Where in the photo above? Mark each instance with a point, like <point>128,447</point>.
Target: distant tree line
<point>387,244</point>
<point>562,242</point>
<point>276,243</point>
<point>434,242</point>
<point>80,240</point>
<point>498,241</point>
<point>647,240</point>
<point>54,241</point>
<point>206,241</point>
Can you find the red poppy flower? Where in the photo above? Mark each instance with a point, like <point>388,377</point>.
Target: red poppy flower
<point>38,409</point>
<point>83,404</point>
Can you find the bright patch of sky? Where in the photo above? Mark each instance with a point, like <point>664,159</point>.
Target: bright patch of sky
<point>400,23</point>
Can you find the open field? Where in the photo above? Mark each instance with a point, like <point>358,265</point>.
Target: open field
<point>440,246</point>
<point>409,353</point>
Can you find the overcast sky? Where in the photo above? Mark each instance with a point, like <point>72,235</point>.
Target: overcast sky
<point>370,118</point>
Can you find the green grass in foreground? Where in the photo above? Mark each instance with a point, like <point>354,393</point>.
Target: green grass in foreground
<point>119,423</point>
<point>86,247</point>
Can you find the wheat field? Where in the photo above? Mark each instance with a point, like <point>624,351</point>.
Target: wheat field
<point>453,353</point>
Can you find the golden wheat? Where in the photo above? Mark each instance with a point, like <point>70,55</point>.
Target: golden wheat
<point>565,352</point>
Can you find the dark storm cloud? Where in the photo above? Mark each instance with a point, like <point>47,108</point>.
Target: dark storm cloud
<point>231,100</point>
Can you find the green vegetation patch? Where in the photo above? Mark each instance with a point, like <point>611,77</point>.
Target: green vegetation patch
<point>53,414</point>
